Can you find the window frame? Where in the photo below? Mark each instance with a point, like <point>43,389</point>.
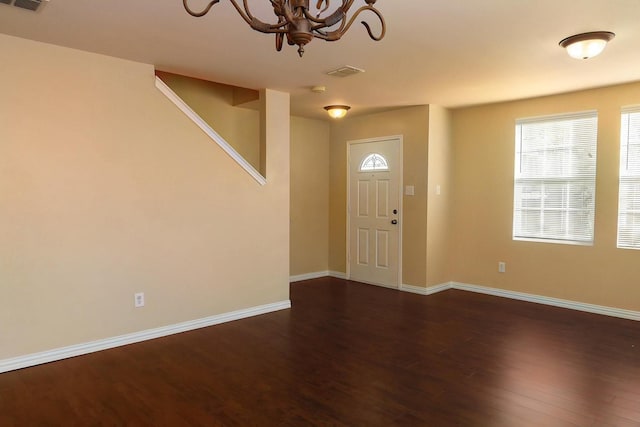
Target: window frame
<point>374,158</point>
<point>575,186</point>
<point>625,176</point>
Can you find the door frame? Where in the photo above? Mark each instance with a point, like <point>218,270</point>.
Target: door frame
<point>400,140</point>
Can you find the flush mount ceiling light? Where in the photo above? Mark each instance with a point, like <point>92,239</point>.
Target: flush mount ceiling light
<point>587,45</point>
<point>299,24</point>
<point>337,111</point>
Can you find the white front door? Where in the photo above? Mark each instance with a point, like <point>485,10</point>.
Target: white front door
<point>375,168</point>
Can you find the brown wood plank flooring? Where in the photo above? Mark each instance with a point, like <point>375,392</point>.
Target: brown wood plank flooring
<point>349,354</point>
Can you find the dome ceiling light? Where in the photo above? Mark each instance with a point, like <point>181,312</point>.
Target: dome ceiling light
<point>337,111</point>
<point>587,45</point>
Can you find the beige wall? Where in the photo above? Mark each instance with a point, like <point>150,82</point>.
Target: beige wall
<point>309,214</point>
<point>107,189</point>
<point>439,168</point>
<point>483,205</point>
<point>413,124</point>
<point>214,103</point>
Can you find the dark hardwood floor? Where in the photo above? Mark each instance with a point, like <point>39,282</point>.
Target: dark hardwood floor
<point>349,354</point>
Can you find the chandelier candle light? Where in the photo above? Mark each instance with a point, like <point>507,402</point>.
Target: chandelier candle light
<point>298,23</point>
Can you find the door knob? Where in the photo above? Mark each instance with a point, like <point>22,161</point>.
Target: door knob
<point>394,221</point>
<point>395,211</point>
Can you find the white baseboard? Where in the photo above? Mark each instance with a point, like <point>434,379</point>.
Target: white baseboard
<point>413,289</point>
<point>521,296</point>
<point>556,302</point>
<point>308,276</point>
<point>338,275</point>
<point>317,275</point>
<point>104,344</point>
<point>438,288</point>
<point>425,291</point>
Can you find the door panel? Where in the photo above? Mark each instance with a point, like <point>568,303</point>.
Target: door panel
<point>382,252</point>
<point>382,196</point>
<point>363,246</point>
<point>363,199</point>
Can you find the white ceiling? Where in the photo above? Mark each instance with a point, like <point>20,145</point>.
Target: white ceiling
<point>447,52</point>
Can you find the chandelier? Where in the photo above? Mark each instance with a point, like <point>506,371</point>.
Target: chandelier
<point>299,25</point>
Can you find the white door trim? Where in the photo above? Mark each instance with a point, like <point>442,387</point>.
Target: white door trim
<point>400,140</point>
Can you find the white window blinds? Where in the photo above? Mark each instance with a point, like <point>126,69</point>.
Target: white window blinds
<point>629,191</point>
<point>555,178</point>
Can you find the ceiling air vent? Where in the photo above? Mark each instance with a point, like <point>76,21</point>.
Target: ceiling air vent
<point>24,4</point>
<point>345,71</point>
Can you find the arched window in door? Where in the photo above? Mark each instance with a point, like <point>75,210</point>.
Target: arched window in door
<point>374,162</point>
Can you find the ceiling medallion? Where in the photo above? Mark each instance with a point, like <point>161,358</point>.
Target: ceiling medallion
<point>299,25</point>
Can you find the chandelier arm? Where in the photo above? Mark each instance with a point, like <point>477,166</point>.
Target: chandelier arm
<point>327,36</point>
<point>282,17</point>
<point>346,5</point>
<point>333,19</point>
<point>320,12</point>
<point>247,9</point>
<point>383,24</point>
<point>312,18</point>
<point>337,34</point>
<point>199,14</point>
<point>338,15</point>
<point>286,11</point>
<point>254,22</point>
<point>246,14</point>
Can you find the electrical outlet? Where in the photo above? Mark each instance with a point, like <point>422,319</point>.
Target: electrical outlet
<point>502,267</point>
<point>138,299</point>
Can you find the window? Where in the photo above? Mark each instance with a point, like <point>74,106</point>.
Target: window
<point>374,162</point>
<point>629,191</point>
<point>555,178</point>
